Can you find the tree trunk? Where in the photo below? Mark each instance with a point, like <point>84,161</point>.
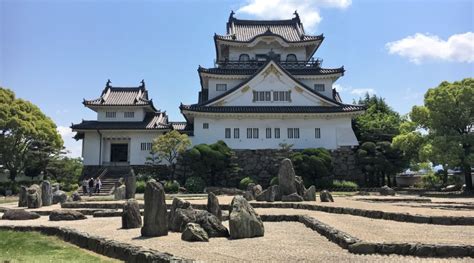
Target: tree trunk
<point>13,174</point>
<point>468,177</point>
<point>389,182</point>
<point>445,174</point>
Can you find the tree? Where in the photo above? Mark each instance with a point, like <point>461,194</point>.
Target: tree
<point>24,129</point>
<point>168,146</point>
<point>312,164</point>
<point>448,118</point>
<point>65,170</point>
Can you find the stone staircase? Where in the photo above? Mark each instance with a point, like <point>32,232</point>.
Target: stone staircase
<point>109,177</point>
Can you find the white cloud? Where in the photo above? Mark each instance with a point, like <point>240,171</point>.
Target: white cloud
<point>422,47</point>
<point>309,10</point>
<point>72,146</point>
<point>360,92</point>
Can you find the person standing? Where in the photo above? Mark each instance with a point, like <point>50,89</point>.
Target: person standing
<point>91,186</point>
<point>84,186</point>
<point>98,185</point>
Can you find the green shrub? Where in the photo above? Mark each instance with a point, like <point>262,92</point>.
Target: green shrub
<point>312,164</point>
<point>431,180</point>
<point>140,187</point>
<point>68,187</point>
<point>195,184</point>
<point>243,184</point>
<point>274,181</point>
<point>344,184</point>
<point>171,186</point>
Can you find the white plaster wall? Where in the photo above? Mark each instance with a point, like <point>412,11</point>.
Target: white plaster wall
<point>231,83</point>
<point>272,82</point>
<point>327,85</point>
<point>264,48</point>
<point>91,145</point>
<point>120,115</point>
<point>335,132</point>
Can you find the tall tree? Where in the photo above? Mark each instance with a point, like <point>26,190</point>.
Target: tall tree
<point>24,132</point>
<point>168,146</point>
<point>448,118</point>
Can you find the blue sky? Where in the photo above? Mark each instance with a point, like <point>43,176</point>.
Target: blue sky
<point>55,53</point>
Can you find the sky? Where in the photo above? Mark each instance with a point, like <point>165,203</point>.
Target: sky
<point>56,53</point>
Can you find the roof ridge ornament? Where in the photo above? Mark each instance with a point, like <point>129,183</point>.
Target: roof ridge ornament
<point>231,16</point>
<point>297,17</point>
<point>108,83</point>
<point>142,83</point>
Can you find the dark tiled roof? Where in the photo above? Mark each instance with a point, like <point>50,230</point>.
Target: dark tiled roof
<point>290,30</point>
<point>251,71</point>
<point>273,109</point>
<point>157,120</point>
<point>121,96</point>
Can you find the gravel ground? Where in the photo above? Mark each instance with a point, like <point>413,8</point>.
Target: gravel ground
<point>379,230</point>
<point>283,242</point>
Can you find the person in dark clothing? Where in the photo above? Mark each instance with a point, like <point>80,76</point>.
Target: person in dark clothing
<point>91,186</point>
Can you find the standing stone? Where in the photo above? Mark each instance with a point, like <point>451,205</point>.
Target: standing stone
<point>156,218</point>
<point>310,194</point>
<point>206,220</point>
<point>59,197</point>
<point>119,193</point>
<point>131,217</point>
<point>270,195</point>
<point>177,203</point>
<point>46,193</point>
<point>244,222</point>
<point>300,189</point>
<point>34,197</point>
<point>286,177</point>
<point>23,197</point>
<point>326,196</point>
<point>130,186</point>
<point>194,232</point>
<point>213,205</point>
<point>248,195</point>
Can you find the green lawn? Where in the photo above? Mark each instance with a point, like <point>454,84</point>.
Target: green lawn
<point>35,247</point>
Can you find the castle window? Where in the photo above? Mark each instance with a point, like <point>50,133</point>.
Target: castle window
<point>129,114</point>
<point>244,57</point>
<point>293,133</point>
<point>317,133</point>
<point>227,133</point>
<point>282,96</point>
<point>236,133</point>
<point>291,58</point>
<point>262,96</point>
<point>146,146</point>
<point>205,125</point>
<point>252,133</point>
<point>110,114</point>
<point>319,87</point>
<point>269,133</point>
<point>277,133</point>
<point>221,87</point>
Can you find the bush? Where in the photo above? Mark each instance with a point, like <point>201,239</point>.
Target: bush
<point>344,184</point>
<point>140,187</point>
<point>243,184</point>
<point>195,184</point>
<point>171,186</point>
<point>274,181</point>
<point>431,180</point>
<point>312,164</point>
<point>68,187</point>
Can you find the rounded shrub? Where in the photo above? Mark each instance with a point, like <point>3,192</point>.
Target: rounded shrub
<point>274,181</point>
<point>171,186</point>
<point>347,185</point>
<point>243,184</point>
<point>195,184</point>
<point>140,187</point>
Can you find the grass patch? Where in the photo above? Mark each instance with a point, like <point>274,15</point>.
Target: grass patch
<point>35,247</point>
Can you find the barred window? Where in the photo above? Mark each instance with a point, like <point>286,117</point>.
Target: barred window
<point>221,87</point>
<point>290,133</point>
<point>277,133</point>
<point>236,133</point>
<point>129,114</point>
<point>282,96</point>
<point>249,133</point>
<point>319,87</point>
<point>205,125</point>
<point>227,133</point>
<point>255,133</point>
<point>317,133</point>
<point>146,146</point>
<point>293,133</point>
<point>110,114</point>
<point>269,133</point>
<point>252,133</point>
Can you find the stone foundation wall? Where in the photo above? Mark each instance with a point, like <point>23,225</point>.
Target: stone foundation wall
<point>345,165</point>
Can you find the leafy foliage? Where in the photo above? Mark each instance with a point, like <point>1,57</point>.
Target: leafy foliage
<point>168,146</point>
<point>344,184</point>
<point>245,182</point>
<point>274,181</point>
<point>195,184</point>
<point>140,187</point>
<point>312,164</point>
<point>209,161</point>
<point>65,170</point>
<point>171,186</point>
<point>27,137</point>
